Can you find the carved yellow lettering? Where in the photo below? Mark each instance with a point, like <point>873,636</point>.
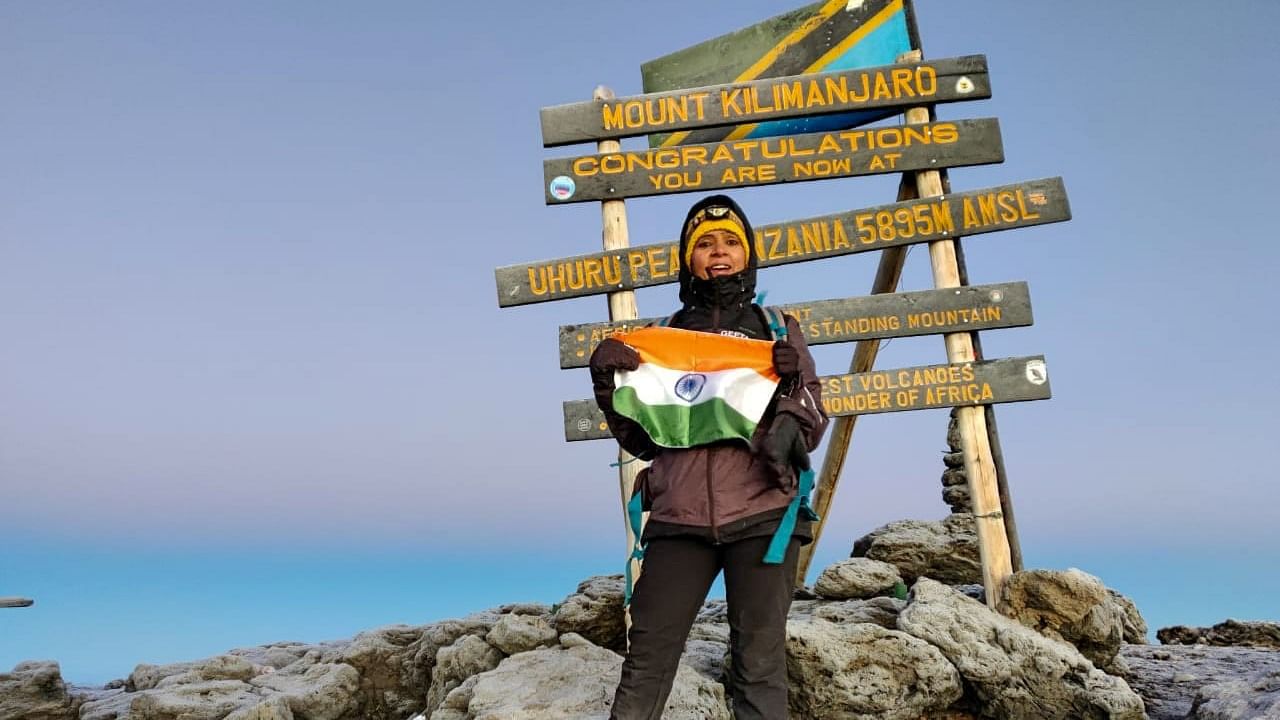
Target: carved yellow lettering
<point>611,116</point>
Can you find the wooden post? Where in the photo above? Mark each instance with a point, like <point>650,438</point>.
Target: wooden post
<point>622,306</point>
<point>8,602</point>
<point>993,541</point>
<point>888,273</point>
<point>993,431</point>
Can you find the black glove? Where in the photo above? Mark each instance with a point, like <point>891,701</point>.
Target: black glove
<point>786,359</point>
<point>611,355</point>
<point>783,448</point>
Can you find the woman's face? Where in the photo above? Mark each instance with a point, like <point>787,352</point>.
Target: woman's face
<point>719,252</point>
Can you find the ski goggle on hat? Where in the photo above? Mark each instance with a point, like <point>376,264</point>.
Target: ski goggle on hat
<point>714,217</point>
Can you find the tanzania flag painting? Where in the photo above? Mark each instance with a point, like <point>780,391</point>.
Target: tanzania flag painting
<point>693,388</point>
<point>828,35</point>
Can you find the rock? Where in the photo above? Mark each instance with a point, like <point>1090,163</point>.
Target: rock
<point>708,658</point>
<point>576,682</point>
<point>35,691</point>
<point>945,550</point>
<point>882,611</point>
<point>470,655</point>
<point>323,691</point>
<point>568,641</point>
<point>595,612</point>
<point>1253,697</point>
<point>1070,605</point>
<point>219,667</point>
<point>392,683</point>
<point>857,578</point>
<point>1135,627</point>
<point>1014,671</point>
<point>957,498</point>
<point>517,633</point>
<point>207,700</point>
<point>525,609</point>
<point>865,672</point>
<point>1152,669</point>
<point>1224,634</point>
<point>276,708</point>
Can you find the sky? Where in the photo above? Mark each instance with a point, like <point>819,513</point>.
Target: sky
<point>255,384</point>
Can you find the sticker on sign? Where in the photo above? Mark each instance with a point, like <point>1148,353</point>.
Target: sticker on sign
<point>562,187</point>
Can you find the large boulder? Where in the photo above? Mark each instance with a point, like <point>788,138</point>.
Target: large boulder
<point>857,578</point>
<point>945,550</point>
<point>519,633</point>
<point>322,691</point>
<point>1067,605</point>
<point>35,691</point>
<point>865,672</point>
<point>595,612</point>
<point>573,680</point>
<point>391,682</point>
<point>1014,671</point>
<point>470,655</point>
<point>1227,633</point>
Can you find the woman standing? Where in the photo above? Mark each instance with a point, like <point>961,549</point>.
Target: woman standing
<point>716,507</point>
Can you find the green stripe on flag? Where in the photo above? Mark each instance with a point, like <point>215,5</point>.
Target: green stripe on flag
<point>682,426</point>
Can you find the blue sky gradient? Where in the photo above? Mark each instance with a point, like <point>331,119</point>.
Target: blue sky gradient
<point>255,384</point>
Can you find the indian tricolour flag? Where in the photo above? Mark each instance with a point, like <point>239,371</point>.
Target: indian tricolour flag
<point>694,388</point>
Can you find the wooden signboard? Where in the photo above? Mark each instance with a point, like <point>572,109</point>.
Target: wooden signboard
<point>768,161</point>
<point>973,212</point>
<point>882,88</point>
<point>823,36</point>
<point>926,312</point>
<point>879,391</point>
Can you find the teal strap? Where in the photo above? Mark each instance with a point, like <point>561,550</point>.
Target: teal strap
<point>635,516</point>
<point>777,323</point>
<point>799,507</point>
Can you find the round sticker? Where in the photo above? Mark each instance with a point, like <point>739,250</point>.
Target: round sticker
<point>1037,374</point>
<point>964,85</point>
<point>996,296</point>
<point>562,187</point>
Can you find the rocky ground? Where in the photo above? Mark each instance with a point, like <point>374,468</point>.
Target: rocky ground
<point>854,651</point>
<point>1058,646</point>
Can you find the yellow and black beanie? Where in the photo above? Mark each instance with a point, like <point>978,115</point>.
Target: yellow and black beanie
<point>711,213</point>
<point>713,217</point>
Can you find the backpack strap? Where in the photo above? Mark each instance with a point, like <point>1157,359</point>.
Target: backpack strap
<point>799,507</point>
<point>635,518</point>
<point>776,320</point>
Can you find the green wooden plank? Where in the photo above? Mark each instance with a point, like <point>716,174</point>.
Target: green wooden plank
<point>885,87</point>
<point>768,161</point>
<point>879,391</point>
<point>973,212</point>
<point>908,314</point>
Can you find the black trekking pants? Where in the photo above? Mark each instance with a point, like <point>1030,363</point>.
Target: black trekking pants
<point>678,572</point>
